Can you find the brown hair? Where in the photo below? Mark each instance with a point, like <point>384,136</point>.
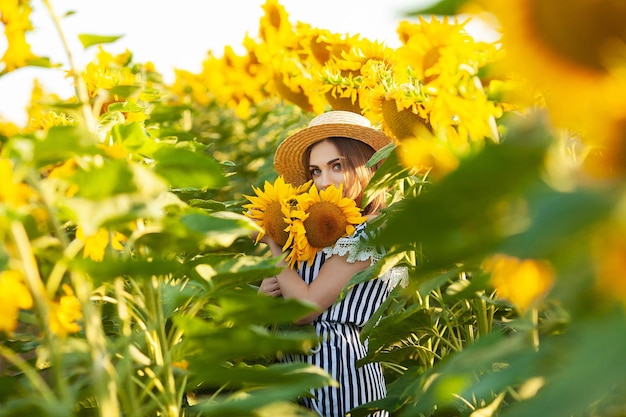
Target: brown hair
<point>354,157</point>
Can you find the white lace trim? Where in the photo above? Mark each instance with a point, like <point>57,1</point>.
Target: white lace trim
<point>396,275</point>
<point>353,247</point>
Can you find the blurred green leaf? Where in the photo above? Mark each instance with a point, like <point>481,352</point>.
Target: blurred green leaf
<point>557,221</point>
<point>60,144</point>
<point>231,271</point>
<point>43,62</point>
<point>235,306</point>
<point>581,368</point>
<point>132,135</point>
<point>124,91</point>
<point>184,168</point>
<point>456,218</point>
<point>386,175</point>
<point>279,375</point>
<point>441,7</point>
<point>217,343</point>
<point>276,400</point>
<point>219,229</point>
<point>110,178</point>
<point>89,40</point>
<point>126,106</point>
<point>113,267</point>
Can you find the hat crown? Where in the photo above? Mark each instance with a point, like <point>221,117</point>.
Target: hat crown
<point>340,117</point>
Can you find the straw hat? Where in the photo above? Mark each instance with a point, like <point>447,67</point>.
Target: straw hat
<point>289,157</point>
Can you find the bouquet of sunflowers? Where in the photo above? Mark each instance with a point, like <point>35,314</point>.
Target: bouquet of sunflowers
<point>302,219</point>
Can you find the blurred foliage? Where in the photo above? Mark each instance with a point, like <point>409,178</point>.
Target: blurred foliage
<point>127,272</point>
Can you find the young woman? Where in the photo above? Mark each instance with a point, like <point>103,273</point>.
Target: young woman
<point>334,149</point>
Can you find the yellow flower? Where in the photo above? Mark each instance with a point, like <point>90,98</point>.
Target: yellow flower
<point>182,364</point>
<point>330,216</point>
<point>432,84</point>
<point>8,129</point>
<point>15,15</point>
<point>577,51</point>
<point>520,281</point>
<point>606,161</point>
<point>108,71</point>
<point>609,261</point>
<point>114,151</point>
<point>427,155</point>
<point>64,313</point>
<point>297,246</point>
<point>342,79</point>
<point>14,295</point>
<point>40,117</point>
<point>96,245</point>
<point>322,218</point>
<point>270,207</point>
<point>11,191</point>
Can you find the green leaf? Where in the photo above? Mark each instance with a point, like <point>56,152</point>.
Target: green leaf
<point>150,202</point>
<point>275,390</point>
<point>126,107</point>
<point>558,220</point>
<point>279,375</point>
<point>132,135</point>
<point>228,272</point>
<point>60,144</point>
<point>110,178</point>
<point>235,307</point>
<point>386,175</point>
<point>113,267</point>
<point>43,62</point>
<point>90,40</point>
<point>217,343</point>
<point>184,168</point>
<point>592,351</point>
<point>218,229</point>
<point>442,7</point>
<point>124,90</point>
<point>458,217</point>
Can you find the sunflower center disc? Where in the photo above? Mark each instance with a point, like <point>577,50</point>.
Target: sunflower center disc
<point>326,223</point>
<point>583,29</point>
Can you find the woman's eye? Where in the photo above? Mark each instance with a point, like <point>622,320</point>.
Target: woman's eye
<point>315,172</point>
<point>337,167</point>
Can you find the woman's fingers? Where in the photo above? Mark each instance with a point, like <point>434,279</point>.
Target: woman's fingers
<point>269,286</point>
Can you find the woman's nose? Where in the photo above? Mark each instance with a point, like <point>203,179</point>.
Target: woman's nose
<point>323,181</point>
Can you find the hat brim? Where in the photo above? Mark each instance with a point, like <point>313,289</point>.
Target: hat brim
<point>289,157</point>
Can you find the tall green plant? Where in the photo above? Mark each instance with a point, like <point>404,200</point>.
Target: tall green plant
<point>140,293</point>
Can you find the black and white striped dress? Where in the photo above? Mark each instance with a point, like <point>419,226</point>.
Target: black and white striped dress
<point>339,328</point>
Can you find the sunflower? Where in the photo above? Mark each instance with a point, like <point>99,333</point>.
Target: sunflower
<point>323,217</point>
<point>432,86</point>
<point>523,282</point>
<point>330,216</point>
<point>577,57</point>
<point>341,79</point>
<point>270,207</point>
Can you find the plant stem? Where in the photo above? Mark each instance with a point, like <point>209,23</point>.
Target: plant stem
<point>41,302</point>
<point>103,374</point>
<point>33,376</point>
<point>79,84</point>
<point>160,346</point>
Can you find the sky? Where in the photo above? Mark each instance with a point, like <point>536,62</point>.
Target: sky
<point>177,34</point>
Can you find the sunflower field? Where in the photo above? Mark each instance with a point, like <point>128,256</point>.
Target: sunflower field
<point>127,270</point>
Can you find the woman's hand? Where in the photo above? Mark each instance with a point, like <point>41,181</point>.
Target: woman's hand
<point>269,286</point>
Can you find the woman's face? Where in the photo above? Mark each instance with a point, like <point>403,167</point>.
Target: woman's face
<point>325,165</point>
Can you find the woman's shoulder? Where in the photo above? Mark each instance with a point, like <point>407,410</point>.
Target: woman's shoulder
<point>355,246</point>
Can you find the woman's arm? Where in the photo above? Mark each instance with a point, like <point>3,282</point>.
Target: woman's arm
<point>322,292</point>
